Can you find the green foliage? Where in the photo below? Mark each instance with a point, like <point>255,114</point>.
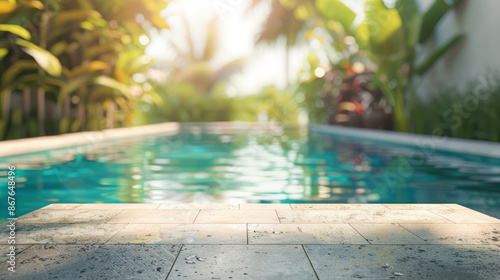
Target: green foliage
<point>80,55</point>
<point>391,37</point>
<point>277,106</point>
<point>335,9</point>
<point>432,17</point>
<point>287,19</point>
<point>201,70</point>
<point>47,61</point>
<point>470,113</point>
<point>17,30</point>
<point>434,57</point>
<point>181,102</point>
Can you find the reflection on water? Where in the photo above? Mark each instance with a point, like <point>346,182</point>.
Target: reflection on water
<point>257,166</point>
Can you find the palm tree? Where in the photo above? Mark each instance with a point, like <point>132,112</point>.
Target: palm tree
<point>200,69</point>
<point>195,88</point>
<point>286,22</point>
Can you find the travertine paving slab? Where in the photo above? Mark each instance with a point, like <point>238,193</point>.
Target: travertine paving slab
<point>322,206</point>
<point>155,217</point>
<point>198,206</point>
<point>237,217</point>
<point>387,234</point>
<point>47,262</point>
<point>416,206</point>
<point>60,206</point>
<point>242,262</point>
<point>465,216</point>
<point>252,206</point>
<point>303,234</point>
<point>404,261</point>
<point>358,216</point>
<point>457,233</point>
<point>120,206</point>
<point>181,234</point>
<point>456,206</point>
<point>5,249</point>
<point>68,216</point>
<point>62,233</point>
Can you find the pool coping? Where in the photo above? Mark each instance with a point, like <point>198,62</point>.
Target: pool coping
<point>45,143</point>
<point>427,144</point>
<point>39,144</point>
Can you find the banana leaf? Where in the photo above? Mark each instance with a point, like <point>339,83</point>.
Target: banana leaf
<point>435,56</point>
<point>47,61</point>
<point>336,10</point>
<point>17,30</point>
<point>434,15</point>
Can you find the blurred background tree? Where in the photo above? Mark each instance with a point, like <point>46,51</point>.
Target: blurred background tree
<point>195,89</point>
<point>69,66</point>
<point>77,58</point>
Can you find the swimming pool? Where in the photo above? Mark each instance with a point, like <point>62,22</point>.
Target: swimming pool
<point>276,165</point>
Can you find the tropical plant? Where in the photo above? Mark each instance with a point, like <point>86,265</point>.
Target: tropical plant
<point>327,77</point>
<point>200,69</point>
<point>271,105</point>
<point>287,19</point>
<point>392,36</point>
<point>470,113</point>
<point>78,55</point>
<point>182,102</point>
<point>195,89</point>
<point>20,59</point>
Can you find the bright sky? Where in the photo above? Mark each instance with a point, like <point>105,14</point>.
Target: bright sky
<point>238,30</point>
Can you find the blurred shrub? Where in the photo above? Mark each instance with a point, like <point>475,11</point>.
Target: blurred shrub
<point>182,102</point>
<point>270,104</point>
<point>470,113</point>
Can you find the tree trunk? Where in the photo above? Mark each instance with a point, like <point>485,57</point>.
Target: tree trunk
<point>41,111</point>
<point>27,102</point>
<point>6,108</point>
<point>287,63</point>
<point>82,110</point>
<point>5,111</point>
<point>44,24</point>
<point>67,108</point>
<point>81,115</point>
<point>110,115</point>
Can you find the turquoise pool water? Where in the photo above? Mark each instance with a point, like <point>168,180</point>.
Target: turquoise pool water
<point>254,166</point>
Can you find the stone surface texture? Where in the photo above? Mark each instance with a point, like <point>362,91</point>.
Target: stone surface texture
<point>253,241</point>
